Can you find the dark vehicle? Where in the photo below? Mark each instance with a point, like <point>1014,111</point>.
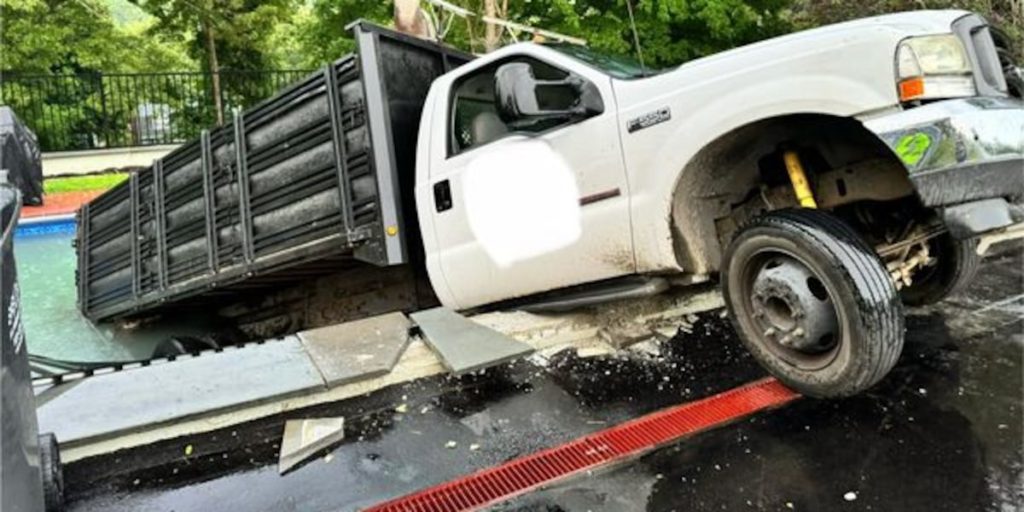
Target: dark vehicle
<point>20,157</point>
<point>31,477</point>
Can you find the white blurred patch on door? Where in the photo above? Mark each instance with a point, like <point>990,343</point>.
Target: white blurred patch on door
<point>522,201</point>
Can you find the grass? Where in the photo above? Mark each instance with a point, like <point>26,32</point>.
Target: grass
<point>82,183</point>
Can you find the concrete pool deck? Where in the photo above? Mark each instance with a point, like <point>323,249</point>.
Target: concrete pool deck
<point>63,203</point>
<point>217,390</point>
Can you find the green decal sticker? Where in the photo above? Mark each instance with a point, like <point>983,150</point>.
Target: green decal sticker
<point>911,148</point>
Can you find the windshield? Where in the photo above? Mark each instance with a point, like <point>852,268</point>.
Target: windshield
<point>619,67</point>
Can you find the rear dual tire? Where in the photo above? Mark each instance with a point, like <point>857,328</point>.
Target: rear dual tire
<point>813,303</point>
<point>957,264</point>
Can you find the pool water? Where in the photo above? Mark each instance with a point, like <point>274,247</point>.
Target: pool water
<point>54,327</point>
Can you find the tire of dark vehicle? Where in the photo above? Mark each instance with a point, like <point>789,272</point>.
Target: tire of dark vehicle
<point>812,302</point>
<point>52,473</point>
<point>957,264</point>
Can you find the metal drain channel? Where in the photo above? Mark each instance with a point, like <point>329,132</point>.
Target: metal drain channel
<point>629,439</point>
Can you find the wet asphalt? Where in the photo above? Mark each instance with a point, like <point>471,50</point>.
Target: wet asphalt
<point>942,432</point>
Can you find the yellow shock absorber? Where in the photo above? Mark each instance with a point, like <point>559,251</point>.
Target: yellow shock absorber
<point>798,178</point>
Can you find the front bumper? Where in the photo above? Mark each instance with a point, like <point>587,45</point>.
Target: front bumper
<point>959,153</point>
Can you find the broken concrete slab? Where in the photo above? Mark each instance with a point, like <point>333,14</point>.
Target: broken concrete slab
<point>357,350</point>
<point>304,438</point>
<point>547,334</point>
<point>464,345</point>
<point>118,403</point>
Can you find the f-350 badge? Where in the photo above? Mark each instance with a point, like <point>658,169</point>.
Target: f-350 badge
<point>649,119</point>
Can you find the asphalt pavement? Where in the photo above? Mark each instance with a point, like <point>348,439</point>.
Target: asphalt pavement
<point>942,432</point>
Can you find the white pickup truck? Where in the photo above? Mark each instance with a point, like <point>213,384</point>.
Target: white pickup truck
<point>825,178</point>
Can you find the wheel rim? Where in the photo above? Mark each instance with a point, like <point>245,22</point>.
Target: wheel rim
<point>789,309</point>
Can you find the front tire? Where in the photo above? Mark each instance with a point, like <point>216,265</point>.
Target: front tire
<point>813,302</point>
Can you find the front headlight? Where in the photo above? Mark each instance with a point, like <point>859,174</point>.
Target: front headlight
<point>931,67</point>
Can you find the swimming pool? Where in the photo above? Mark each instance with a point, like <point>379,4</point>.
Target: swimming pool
<point>54,327</point>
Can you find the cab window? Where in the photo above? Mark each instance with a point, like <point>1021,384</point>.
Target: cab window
<point>475,119</point>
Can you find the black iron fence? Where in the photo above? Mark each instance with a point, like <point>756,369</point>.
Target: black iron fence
<point>95,110</point>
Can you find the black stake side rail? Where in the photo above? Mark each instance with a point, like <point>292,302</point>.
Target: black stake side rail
<point>319,173</point>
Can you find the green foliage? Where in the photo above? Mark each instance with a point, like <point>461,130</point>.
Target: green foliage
<point>83,183</point>
<point>321,35</point>
<point>671,31</point>
<point>71,36</point>
<point>241,29</point>
<point>51,55</point>
<point>86,37</point>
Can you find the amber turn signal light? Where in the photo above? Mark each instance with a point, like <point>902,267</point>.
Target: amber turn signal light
<point>911,88</point>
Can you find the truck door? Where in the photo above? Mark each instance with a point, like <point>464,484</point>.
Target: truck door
<point>522,209</point>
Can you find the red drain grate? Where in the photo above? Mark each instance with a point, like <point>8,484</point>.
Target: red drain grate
<point>629,439</point>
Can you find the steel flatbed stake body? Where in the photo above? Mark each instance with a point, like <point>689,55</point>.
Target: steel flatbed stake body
<point>292,181</point>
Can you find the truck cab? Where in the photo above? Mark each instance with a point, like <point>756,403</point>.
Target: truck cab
<point>524,205</point>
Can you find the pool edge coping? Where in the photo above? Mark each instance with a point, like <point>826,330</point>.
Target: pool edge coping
<point>44,219</point>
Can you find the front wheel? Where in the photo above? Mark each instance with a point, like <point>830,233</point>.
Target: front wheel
<point>813,303</point>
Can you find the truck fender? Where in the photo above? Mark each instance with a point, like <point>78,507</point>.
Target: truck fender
<point>658,246</point>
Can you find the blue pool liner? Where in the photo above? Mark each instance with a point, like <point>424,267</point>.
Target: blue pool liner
<point>41,226</point>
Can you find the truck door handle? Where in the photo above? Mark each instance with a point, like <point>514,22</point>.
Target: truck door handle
<point>442,196</point>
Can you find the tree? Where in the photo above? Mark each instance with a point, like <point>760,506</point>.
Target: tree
<point>222,34</point>
<point>74,36</point>
<point>323,37</point>
<point>53,54</point>
<point>670,31</point>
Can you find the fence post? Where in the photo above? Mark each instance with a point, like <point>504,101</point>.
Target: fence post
<point>105,119</point>
<point>220,97</point>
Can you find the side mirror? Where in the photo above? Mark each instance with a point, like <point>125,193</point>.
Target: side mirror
<point>523,98</point>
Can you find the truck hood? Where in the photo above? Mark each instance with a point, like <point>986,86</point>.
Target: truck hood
<point>903,24</point>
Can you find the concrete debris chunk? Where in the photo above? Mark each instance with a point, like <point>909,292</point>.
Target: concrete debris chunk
<point>479,423</point>
<point>622,336</point>
<point>594,351</point>
<point>357,350</point>
<point>304,438</point>
<point>463,345</point>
